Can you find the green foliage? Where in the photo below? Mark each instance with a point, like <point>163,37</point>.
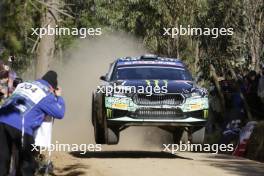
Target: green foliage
<point>16,20</point>
<point>147,18</point>
<point>222,14</point>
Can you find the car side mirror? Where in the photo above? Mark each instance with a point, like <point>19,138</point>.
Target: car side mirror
<point>103,78</point>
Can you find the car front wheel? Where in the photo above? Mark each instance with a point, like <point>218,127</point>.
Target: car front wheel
<point>198,136</point>
<point>99,130</point>
<point>112,136</point>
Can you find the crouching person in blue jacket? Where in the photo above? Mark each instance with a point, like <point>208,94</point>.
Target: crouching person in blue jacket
<point>22,114</point>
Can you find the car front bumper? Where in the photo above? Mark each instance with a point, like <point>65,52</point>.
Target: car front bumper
<point>123,111</point>
<point>125,118</point>
<point>128,121</point>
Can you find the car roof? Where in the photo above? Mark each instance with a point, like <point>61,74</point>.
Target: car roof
<point>149,60</point>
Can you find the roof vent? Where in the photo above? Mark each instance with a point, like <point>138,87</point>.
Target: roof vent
<point>149,57</point>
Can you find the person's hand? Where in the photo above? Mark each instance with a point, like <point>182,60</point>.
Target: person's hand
<point>58,91</point>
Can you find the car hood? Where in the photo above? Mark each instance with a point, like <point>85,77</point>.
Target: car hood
<point>173,86</point>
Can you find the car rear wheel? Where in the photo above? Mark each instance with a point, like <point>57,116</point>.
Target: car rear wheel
<point>99,129</point>
<point>177,135</point>
<point>198,136</point>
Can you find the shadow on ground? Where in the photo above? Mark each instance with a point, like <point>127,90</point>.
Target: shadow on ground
<point>236,165</point>
<point>127,154</point>
<point>71,170</point>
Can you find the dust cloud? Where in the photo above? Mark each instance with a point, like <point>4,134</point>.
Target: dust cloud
<point>79,76</point>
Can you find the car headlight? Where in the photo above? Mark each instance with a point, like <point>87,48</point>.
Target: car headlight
<point>121,91</point>
<point>197,93</point>
<point>196,100</point>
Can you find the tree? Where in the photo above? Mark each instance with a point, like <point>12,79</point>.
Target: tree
<point>46,47</point>
<point>254,14</point>
<point>16,20</point>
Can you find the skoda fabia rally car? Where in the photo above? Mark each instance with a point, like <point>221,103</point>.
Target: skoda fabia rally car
<point>149,91</point>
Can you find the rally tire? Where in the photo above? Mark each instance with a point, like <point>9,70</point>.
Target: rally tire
<point>112,136</point>
<point>198,136</point>
<point>177,135</point>
<point>99,129</point>
<point>99,133</point>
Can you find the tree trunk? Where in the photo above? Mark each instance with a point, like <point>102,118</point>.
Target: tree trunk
<point>255,26</point>
<point>176,40</point>
<point>46,48</point>
<point>220,93</point>
<point>197,51</point>
<point>168,47</point>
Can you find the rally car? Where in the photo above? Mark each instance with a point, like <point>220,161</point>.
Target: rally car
<point>149,91</point>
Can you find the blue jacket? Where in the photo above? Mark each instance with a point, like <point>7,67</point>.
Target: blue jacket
<point>48,104</point>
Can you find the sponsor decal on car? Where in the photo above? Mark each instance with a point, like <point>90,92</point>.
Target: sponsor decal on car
<point>196,106</point>
<point>120,106</point>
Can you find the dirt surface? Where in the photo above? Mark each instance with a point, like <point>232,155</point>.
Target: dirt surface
<point>153,163</point>
<point>139,153</point>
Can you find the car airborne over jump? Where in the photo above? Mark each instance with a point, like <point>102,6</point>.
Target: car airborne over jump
<point>149,91</point>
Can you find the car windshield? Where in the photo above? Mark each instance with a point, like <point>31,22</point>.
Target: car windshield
<point>151,72</point>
